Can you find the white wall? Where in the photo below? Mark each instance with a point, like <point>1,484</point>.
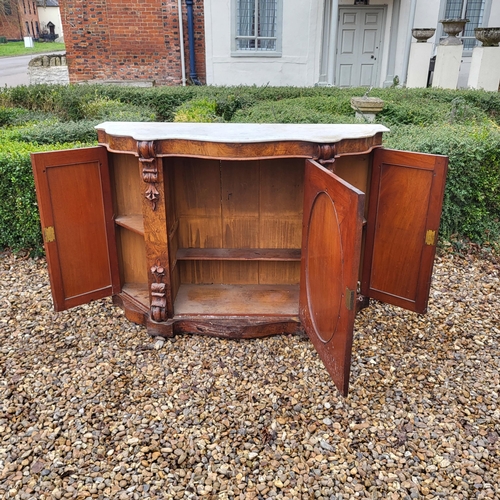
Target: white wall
<point>299,64</point>
<point>52,14</point>
<point>427,14</point>
<point>494,19</point>
<point>301,47</point>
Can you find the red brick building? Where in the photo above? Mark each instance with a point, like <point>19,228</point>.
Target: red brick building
<point>130,40</point>
<point>19,18</point>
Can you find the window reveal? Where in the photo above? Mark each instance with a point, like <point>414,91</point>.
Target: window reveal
<point>256,25</point>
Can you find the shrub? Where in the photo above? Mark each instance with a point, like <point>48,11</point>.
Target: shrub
<point>52,133</point>
<point>413,112</point>
<point>228,103</point>
<point>68,101</point>
<point>460,124</point>
<point>8,116</point>
<point>289,111</point>
<point>32,97</point>
<point>198,110</point>
<point>19,218</point>
<point>104,108</point>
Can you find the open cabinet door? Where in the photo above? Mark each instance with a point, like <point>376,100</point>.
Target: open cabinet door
<point>406,197</point>
<point>331,243</point>
<point>74,199</point>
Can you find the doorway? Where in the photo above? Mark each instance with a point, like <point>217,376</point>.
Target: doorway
<point>359,46</point>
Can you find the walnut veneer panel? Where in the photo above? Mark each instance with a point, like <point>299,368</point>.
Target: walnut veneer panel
<point>132,256</point>
<point>127,184</point>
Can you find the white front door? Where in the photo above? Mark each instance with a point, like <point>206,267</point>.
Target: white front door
<point>359,45</point>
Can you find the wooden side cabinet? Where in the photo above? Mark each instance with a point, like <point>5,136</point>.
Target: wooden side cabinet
<point>242,230</point>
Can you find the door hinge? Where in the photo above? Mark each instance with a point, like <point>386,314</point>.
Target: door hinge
<point>430,237</point>
<point>349,298</point>
<point>49,234</point>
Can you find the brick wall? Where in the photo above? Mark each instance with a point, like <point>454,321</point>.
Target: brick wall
<point>129,40</point>
<point>14,27</point>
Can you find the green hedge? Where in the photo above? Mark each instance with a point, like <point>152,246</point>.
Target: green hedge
<point>57,132</point>
<point>19,218</point>
<point>403,106</point>
<point>461,124</point>
<point>472,195</point>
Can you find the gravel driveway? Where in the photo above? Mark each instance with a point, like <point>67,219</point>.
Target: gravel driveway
<point>91,407</point>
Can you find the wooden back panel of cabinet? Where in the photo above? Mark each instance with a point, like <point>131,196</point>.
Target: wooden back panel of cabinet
<point>356,170</point>
<point>252,204</point>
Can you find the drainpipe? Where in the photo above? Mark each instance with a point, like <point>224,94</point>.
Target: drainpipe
<point>192,66</point>
<point>332,42</point>
<point>181,42</point>
<point>411,21</point>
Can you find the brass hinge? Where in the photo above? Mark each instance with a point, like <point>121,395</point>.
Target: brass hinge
<point>49,234</point>
<point>349,298</point>
<point>430,237</point>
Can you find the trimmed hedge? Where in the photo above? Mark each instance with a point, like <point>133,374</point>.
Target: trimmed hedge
<point>472,197</point>
<point>299,110</point>
<point>69,101</point>
<point>19,218</point>
<point>56,132</point>
<point>198,111</point>
<point>461,124</point>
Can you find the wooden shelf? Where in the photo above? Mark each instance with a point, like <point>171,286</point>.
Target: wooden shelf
<point>138,292</point>
<point>267,254</point>
<point>133,222</point>
<point>230,300</point>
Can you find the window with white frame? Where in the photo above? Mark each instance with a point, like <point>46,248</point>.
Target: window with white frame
<point>473,10</point>
<point>257,27</point>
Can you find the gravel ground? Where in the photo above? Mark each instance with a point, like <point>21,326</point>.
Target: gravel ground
<point>91,407</point>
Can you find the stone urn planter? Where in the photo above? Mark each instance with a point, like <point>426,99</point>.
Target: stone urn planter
<point>422,34</point>
<point>452,27</point>
<point>490,37</point>
<point>367,107</point>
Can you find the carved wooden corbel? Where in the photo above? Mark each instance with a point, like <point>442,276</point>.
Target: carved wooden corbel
<point>326,155</point>
<point>147,157</point>
<point>158,294</point>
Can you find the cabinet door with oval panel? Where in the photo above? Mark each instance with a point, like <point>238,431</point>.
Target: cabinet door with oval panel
<point>331,246</point>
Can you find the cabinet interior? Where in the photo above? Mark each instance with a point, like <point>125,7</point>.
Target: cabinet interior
<point>127,204</point>
<point>234,231</point>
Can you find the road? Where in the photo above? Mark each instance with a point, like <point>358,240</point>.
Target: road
<point>14,70</point>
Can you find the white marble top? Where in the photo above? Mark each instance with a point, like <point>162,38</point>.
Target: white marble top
<point>240,132</point>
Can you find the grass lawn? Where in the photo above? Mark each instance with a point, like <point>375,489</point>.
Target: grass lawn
<point>18,48</point>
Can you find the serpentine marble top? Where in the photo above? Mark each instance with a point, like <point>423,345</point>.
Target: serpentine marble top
<point>240,132</point>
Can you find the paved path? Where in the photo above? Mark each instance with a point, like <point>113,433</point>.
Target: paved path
<point>14,70</point>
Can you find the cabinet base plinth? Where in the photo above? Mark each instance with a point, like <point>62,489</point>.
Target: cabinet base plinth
<point>159,329</point>
<point>229,327</point>
<point>237,328</point>
<point>134,310</point>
